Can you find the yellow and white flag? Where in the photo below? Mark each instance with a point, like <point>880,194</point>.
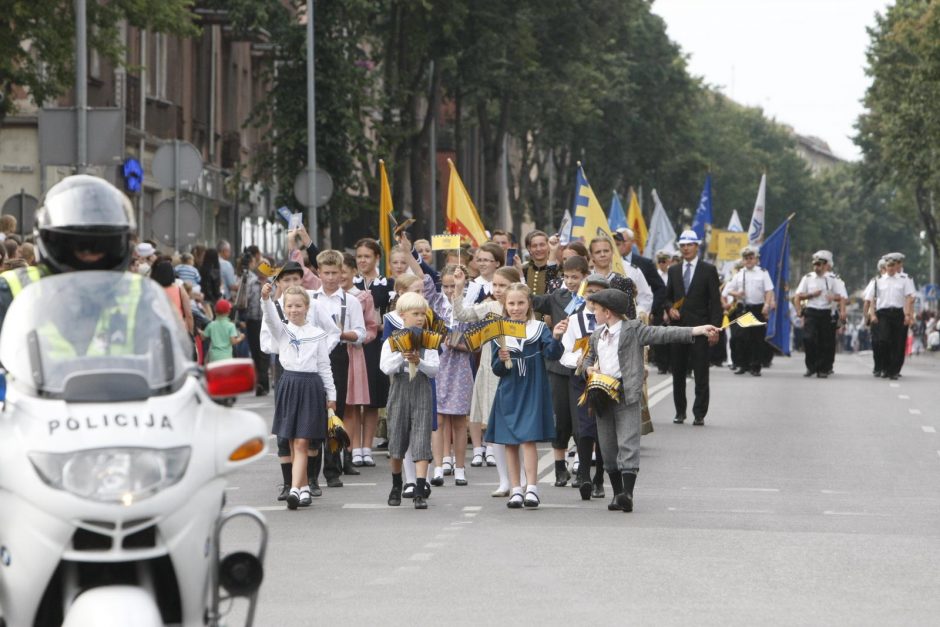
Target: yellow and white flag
<point>589,221</point>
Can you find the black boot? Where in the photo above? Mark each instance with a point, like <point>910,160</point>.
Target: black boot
<point>561,474</point>
<point>598,491</point>
<point>616,484</point>
<point>585,448</point>
<point>625,499</point>
<point>348,468</point>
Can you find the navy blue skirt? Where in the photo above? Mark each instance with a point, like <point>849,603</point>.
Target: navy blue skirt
<point>300,406</point>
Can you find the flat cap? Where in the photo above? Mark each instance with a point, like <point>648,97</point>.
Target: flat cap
<point>597,279</point>
<point>289,268</point>
<point>615,300</point>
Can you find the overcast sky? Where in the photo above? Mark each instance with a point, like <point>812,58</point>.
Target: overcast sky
<point>802,61</point>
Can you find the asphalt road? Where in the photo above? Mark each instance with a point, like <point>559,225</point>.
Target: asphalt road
<point>801,502</point>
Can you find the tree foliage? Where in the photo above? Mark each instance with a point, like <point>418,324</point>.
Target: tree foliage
<point>37,39</point>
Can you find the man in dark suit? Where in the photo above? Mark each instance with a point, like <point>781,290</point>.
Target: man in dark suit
<point>624,238</point>
<point>692,298</point>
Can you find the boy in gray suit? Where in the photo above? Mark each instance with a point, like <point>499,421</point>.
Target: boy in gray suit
<point>616,350</point>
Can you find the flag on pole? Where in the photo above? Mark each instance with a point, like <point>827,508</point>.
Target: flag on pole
<point>703,214</point>
<point>564,230</point>
<point>462,216</point>
<point>775,258</point>
<point>385,217</point>
<point>616,218</point>
<point>661,236</point>
<point>588,219</point>
<point>734,224</point>
<point>755,234</point>
<point>636,222</point>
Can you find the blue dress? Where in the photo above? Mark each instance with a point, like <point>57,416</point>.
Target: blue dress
<point>522,409</point>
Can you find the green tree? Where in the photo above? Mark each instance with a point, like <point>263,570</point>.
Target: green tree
<point>37,40</point>
<point>899,134</point>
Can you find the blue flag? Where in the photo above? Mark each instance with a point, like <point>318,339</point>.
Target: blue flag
<point>703,215</point>
<point>775,259</point>
<point>616,217</point>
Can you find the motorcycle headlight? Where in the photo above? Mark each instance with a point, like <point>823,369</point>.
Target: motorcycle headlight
<point>112,475</point>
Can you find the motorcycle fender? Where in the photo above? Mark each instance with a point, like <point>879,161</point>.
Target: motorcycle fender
<point>113,606</point>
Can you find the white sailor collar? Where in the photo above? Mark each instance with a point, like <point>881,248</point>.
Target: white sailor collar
<point>533,331</point>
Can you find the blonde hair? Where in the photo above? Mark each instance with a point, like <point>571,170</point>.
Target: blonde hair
<point>509,273</point>
<point>296,290</point>
<point>330,258</point>
<point>405,281</point>
<point>410,302</point>
<point>521,287</point>
<point>422,241</point>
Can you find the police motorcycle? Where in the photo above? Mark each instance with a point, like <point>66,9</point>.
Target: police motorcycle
<point>113,456</point>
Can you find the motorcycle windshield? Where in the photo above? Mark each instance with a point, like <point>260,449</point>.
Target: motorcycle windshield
<point>94,336</point>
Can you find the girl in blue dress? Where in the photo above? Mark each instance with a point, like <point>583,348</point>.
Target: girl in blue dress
<point>522,410</point>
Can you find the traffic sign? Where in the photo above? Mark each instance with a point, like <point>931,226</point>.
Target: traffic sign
<point>190,165</point>
<point>324,187</point>
<point>930,291</point>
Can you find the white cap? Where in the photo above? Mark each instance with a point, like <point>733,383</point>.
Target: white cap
<point>823,255</point>
<point>689,237</point>
<point>145,249</point>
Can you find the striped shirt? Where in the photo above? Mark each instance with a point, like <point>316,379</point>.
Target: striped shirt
<point>186,272</point>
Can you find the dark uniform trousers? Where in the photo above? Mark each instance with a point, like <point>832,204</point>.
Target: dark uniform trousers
<point>892,333</point>
<point>752,345</point>
<point>819,339</point>
<point>682,354</point>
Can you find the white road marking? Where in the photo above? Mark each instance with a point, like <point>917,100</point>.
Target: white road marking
<point>750,489</point>
<point>904,397</point>
<point>232,487</point>
<point>914,412</point>
<point>661,385</point>
<point>546,461</point>
<point>470,515</point>
<point>407,569</point>
<point>720,511</point>
<point>835,491</point>
<point>559,506</point>
<point>656,398</point>
<point>421,557</point>
<point>928,429</point>
<point>833,513</point>
<point>433,545</point>
<point>472,508</point>
<point>895,385</point>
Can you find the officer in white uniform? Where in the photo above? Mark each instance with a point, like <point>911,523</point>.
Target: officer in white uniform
<point>753,287</point>
<point>870,294</point>
<point>814,299</point>
<point>893,298</point>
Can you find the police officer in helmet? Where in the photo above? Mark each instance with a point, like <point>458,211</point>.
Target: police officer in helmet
<point>84,223</point>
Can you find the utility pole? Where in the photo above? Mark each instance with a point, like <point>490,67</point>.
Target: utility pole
<point>311,133</point>
<point>81,87</point>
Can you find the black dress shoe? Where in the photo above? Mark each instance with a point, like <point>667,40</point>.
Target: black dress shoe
<point>315,488</point>
<point>437,481</point>
<point>822,375</point>
<point>285,490</point>
<point>808,373</point>
<point>755,373</point>
<point>877,373</point>
<point>561,478</point>
<point>699,421</point>
<point>334,482</point>
<point>893,377</point>
<point>394,497</point>
<point>679,419</point>
<point>586,488</point>
<point>420,503</point>
<point>624,502</point>
<point>740,371</point>
<point>349,469</point>
<point>598,491</point>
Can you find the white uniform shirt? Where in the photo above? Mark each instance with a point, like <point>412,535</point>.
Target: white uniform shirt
<point>475,287</point>
<point>827,284</point>
<point>889,291</point>
<point>333,306</point>
<point>608,345</point>
<point>301,349</point>
<point>755,282</point>
<point>392,363</point>
<point>315,316</point>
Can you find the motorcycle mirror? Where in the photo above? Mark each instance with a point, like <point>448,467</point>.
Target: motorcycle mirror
<point>241,573</point>
<point>230,377</point>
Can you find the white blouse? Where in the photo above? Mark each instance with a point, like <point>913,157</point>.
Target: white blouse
<point>301,349</point>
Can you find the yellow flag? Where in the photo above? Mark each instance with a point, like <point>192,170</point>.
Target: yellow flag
<point>745,320</point>
<point>462,216</point>
<point>385,215</point>
<point>636,222</point>
<point>589,220</point>
<point>445,242</point>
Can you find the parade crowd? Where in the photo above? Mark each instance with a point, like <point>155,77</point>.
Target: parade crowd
<point>396,355</point>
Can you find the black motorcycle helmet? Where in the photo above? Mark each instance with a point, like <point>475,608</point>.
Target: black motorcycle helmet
<point>85,223</point>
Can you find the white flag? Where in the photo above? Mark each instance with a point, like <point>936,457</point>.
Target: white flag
<point>661,234</point>
<point>734,224</point>
<point>564,231</point>
<point>755,233</point>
